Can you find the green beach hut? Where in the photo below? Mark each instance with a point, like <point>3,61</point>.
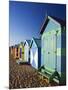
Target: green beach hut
<point>53,49</point>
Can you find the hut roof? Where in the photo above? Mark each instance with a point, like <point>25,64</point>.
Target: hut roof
<point>17,45</point>
<point>60,21</point>
<point>22,43</point>
<point>28,41</point>
<point>37,41</point>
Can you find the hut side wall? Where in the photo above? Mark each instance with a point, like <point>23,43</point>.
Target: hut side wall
<point>63,56</point>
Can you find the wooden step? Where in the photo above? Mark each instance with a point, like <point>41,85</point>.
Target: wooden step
<point>48,75</point>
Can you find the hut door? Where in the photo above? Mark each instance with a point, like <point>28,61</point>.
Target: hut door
<point>45,53</point>
<point>50,51</point>
<point>20,52</point>
<point>26,53</point>
<point>34,58</point>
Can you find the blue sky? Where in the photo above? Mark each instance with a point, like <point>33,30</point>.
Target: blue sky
<point>26,18</point>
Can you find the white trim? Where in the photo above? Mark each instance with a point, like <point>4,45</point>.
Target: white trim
<point>56,22</point>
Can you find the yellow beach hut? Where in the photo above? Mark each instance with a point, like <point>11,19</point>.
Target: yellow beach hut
<point>21,51</point>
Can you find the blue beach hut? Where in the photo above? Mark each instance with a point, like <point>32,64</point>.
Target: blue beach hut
<point>35,53</point>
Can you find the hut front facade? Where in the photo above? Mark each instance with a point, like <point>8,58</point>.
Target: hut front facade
<point>27,51</point>
<point>53,45</point>
<point>35,53</point>
<point>21,51</point>
<point>16,52</point>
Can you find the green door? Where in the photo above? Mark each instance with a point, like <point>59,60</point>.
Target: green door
<point>50,51</point>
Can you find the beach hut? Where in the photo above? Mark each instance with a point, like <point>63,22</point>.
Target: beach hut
<point>16,51</point>
<point>35,53</point>
<point>53,49</point>
<point>27,51</point>
<point>21,51</point>
<point>11,50</point>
